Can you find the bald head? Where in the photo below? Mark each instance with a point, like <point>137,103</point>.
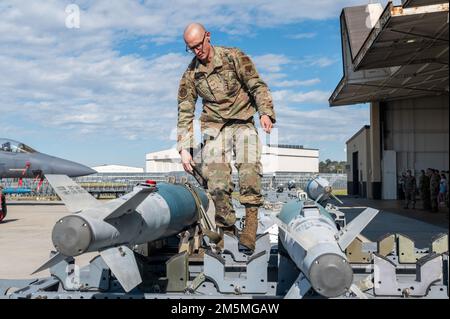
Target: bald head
<point>193,31</point>
<point>197,40</point>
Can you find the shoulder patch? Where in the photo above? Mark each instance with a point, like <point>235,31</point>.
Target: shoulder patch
<point>249,70</point>
<point>182,92</point>
<point>246,60</point>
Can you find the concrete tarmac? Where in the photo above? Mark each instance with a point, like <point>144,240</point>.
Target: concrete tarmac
<point>25,240</point>
<point>421,226</point>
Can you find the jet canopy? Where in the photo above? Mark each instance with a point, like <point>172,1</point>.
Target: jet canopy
<point>7,145</point>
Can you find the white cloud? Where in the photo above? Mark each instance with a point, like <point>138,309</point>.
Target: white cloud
<point>99,92</point>
<point>312,97</point>
<point>324,61</point>
<point>296,83</point>
<point>320,125</point>
<point>300,36</point>
<point>320,61</point>
<point>162,18</point>
<point>273,68</point>
<point>163,21</point>
<point>271,62</point>
<point>273,77</point>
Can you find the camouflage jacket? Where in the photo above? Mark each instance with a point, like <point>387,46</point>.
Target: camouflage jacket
<point>424,184</point>
<point>435,179</point>
<point>409,184</point>
<point>230,88</point>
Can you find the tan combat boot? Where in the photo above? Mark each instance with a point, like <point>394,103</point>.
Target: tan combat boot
<point>229,230</point>
<point>248,236</point>
<point>219,245</point>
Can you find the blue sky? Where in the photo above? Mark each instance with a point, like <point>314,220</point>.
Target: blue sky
<point>105,93</point>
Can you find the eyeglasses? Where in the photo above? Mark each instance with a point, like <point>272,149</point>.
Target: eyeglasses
<point>197,46</point>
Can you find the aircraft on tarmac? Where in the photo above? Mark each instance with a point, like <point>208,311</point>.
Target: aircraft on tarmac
<point>18,160</point>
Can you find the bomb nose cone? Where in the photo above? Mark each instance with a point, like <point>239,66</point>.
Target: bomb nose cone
<point>331,275</point>
<point>72,235</point>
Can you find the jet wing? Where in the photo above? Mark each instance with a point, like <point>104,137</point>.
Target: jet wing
<point>73,195</point>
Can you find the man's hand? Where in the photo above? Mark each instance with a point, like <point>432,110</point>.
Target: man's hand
<point>187,161</point>
<point>266,123</point>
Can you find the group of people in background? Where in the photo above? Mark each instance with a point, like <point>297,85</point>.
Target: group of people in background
<point>433,189</point>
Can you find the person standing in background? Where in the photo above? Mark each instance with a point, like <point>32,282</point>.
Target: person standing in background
<point>435,179</point>
<point>424,188</point>
<point>442,189</point>
<point>3,208</point>
<point>409,186</point>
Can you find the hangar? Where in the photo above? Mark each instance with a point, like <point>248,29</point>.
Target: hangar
<point>396,59</point>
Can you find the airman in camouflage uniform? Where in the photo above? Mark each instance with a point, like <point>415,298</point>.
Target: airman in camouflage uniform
<point>409,189</point>
<point>424,187</point>
<point>435,179</point>
<point>232,92</point>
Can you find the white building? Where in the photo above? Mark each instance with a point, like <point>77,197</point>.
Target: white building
<point>163,161</point>
<point>275,159</point>
<point>117,169</point>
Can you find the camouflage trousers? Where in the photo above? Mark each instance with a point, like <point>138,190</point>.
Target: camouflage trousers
<point>410,197</point>
<point>425,195</point>
<point>238,142</point>
<point>434,191</point>
<point>434,203</point>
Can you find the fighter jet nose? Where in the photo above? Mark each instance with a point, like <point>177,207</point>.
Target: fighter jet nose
<point>84,170</point>
<point>70,168</point>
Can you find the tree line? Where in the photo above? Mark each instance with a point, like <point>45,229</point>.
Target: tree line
<point>329,166</point>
